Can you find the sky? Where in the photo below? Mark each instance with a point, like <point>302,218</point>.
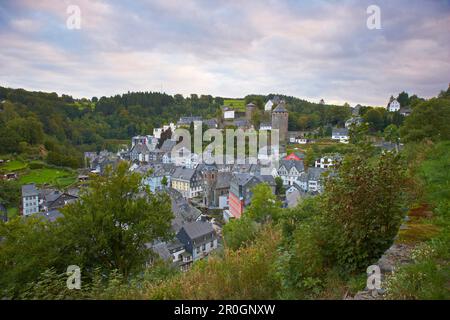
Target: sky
<point>309,49</point>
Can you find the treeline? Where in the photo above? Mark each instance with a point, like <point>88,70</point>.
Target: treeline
<point>59,128</point>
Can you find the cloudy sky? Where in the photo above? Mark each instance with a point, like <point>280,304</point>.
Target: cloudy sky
<point>308,49</point>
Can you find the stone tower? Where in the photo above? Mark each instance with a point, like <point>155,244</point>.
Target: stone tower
<point>280,117</point>
<point>249,110</point>
<point>209,176</point>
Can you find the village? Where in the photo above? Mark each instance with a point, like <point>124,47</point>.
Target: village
<point>205,196</point>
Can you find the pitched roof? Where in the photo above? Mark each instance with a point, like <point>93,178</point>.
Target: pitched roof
<point>140,148</point>
<point>168,145</point>
<point>340,131</point>
<point>288,164</point>
<point>315,173</point>
<point>29,190</point>
<point>281,107</point>
<point>51,215</point>
<point>182,173</point>
<point>223,179</point>
<point>198,229</point>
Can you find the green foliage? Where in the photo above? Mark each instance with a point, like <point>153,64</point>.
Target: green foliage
<point>28,248</point>
<point>279,189</point>
<point>105,233</point>
<point>264,204</point>
<point>392,134</point>
<point>239,232</point>
<point>9,193</point>
<point>362,210</point>
<point>114,220</point>
<point>246,273</point>
<point>428,120</point>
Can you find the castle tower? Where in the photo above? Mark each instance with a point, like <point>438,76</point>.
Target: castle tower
<point>209,176</point>
<point>249,110</point>
<point>280,118</point>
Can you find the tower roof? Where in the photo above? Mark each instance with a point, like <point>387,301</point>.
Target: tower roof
<point>281,107</point>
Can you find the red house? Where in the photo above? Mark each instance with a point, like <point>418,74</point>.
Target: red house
<point>295,156</point>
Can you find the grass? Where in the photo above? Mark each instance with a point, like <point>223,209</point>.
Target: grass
<point>57,177</point>
<point>428,277</point>
<point>13,165</point>
<point>236,104</point>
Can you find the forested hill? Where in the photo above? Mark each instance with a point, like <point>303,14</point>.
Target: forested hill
<point>66,126</point>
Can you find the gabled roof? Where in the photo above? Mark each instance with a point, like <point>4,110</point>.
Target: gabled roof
<point>197,229</point>
<point>182,173</point>
<point>288,164</point>
<point>140,148</point>
<point>168,145</point>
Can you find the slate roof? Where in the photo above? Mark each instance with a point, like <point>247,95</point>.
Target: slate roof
<point>315,173</point>
<point>140,148</point>
<point>223,180</point>
<point>340,131</point>
<point>182,173</point>
<point>168,145</point>
<point>51,215</point>
<point>210,123</point>
<point>162,250</point>
<point>198,229</point>
<point>288,164</point>
<point>281,107</point>
<point>29,190</point>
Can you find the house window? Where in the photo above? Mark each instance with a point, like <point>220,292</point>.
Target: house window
<point>204,247</point>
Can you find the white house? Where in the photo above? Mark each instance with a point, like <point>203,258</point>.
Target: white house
<point>228,114</point>
<point>290,170</point>
<point>140,152</point>
<point>340,134</point>
<point>327,161</point>
<point>394,106</point>
<point>311,181</point>
<point>265,126</point>
<point>30,199</point>
<point>157,132</point>
<point>268,106</point>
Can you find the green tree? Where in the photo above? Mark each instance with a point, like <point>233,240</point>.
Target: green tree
<point>428,120</point>
<point>264,204</point>
<point>164,181</point>
<point>279,189</point>
<point>362,209</point>
<point>114,220</point>
<point>392,134</point>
